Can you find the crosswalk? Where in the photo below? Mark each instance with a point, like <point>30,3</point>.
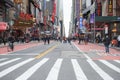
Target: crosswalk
<point>82,69</point>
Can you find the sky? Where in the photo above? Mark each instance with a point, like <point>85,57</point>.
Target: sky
<point>67,6</point>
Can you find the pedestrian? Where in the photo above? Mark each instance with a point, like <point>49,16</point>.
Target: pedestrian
<point>69,40</point>
<point>106,42</point>
<point>114,42</point>
<point>79,38</point>
<point>86,39</point>
<point>48,39</point>
<point>10,42</point>
<point>118,38</point>
<point>4,41</point>
<point>44,39</point>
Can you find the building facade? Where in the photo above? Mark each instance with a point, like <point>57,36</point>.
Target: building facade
<point>103,17</point>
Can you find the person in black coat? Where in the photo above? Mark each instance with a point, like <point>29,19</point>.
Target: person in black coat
<point>106,42</point>
<point>48,39</point>
<point>44,39</point>
<point>11,42</point>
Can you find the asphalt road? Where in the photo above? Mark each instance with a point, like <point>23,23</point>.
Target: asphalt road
<point>57,61</point>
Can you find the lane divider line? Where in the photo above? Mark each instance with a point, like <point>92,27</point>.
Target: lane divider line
<point>45,52</point>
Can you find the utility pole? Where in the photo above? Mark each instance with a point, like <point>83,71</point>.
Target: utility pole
<point>94,21</point>
<point>61,29</point>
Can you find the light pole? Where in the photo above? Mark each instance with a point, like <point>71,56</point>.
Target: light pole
<point>61,29</point>
<point>94,24</point>
<point>94,28</point>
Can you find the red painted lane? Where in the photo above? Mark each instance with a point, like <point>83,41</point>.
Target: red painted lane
<point>108,58</point>
<point>90,46</point>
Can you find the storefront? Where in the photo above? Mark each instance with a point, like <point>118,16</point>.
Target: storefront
<point>5,6</point>
<point>112,22</point>
<point>23,21</point>
<point>5,16</point>
<point>3,26</point>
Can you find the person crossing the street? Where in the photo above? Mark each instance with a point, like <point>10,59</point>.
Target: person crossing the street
<point>10,42</point>
<point>106,42</point>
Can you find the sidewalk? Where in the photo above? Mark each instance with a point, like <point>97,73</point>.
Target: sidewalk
<point>16,43</point>
<point>99,51</point>
<point>98,47</point>
<point>117,48</point>
<point>18,46</point>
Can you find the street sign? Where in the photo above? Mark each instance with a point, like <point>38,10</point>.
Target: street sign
<point>81,19</point>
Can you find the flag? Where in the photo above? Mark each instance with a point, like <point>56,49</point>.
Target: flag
<point>54,11</point>
<point>44,5</point>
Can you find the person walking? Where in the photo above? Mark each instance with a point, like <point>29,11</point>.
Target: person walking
<point>10,42</point>
<point>118,38</point>
<point>48,39</point>
<point>86,39</point>
<point>69,40</point>
<point>44,39</point>
<point>79,38</point>
<point>106,42</point>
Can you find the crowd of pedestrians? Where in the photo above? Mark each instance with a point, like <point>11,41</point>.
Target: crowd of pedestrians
<point>46,39</point>
<point>82,39</point>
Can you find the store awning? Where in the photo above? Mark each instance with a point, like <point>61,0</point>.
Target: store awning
<point>3,26</point>
<point>99,29</point>
<point>86,10</point>
<point>9,3</point>
<point>106,18</point>
<point>22,23</point>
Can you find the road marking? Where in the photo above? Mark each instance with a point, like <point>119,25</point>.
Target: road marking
<point>83,53</point>
<point>22,54</point>
<point>118,61</point>
<point>31,70</point>
<point>3,59</point>
<point>78,71</point>
<point>103,74</point>
<point>110,65</point>
<point>53,74</point>
<point>45,52</point>
<point>10,69</point>
<point>10,61</point>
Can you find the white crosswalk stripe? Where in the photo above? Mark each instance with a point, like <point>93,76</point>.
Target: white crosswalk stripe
<point>78,71</point>
<point>10,61</point>
<point>103,74</point>
<point>31,70</point>
<point>3,59</point>
<point>118,61</point>
<point>53,74</point>
<point>110,66</point>
<point>10,69</point>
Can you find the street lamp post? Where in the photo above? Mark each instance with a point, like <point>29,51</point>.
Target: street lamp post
<point>94,28</point>
<point>94,24</point>
<point>61,29</point>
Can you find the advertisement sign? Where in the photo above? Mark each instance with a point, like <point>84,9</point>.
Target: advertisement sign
<point>110,7</point>
<point>77,8</point>
<point>18,1</point>
<point>3,26</point>
<point>92,16</point>
<point>99,9</point>
<point>81,22</point>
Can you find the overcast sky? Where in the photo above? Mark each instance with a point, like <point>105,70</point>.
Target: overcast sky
<point>67,6</point>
